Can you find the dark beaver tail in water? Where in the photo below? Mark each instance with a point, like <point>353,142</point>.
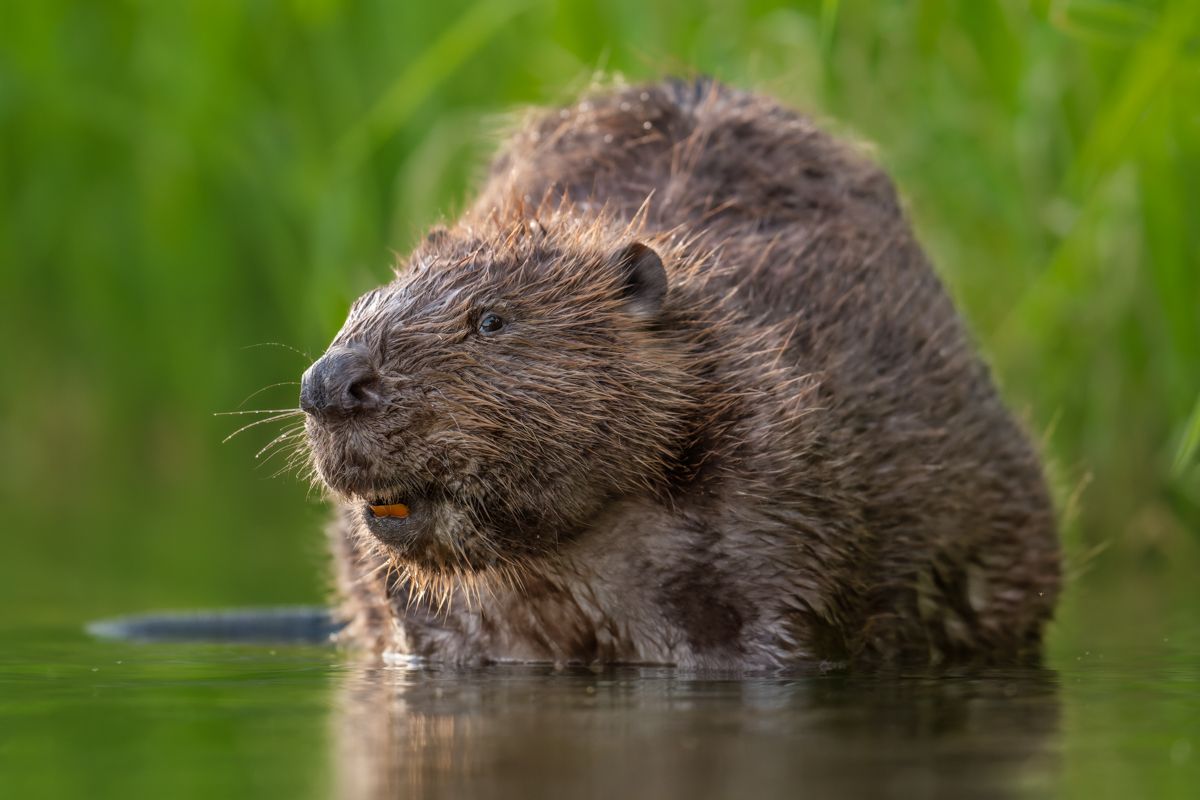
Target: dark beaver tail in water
<point>287,625</point>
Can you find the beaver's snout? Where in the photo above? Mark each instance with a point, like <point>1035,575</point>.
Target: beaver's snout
<point>341,383</point>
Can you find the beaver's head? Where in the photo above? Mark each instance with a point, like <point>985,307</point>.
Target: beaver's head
<point>499,394</point>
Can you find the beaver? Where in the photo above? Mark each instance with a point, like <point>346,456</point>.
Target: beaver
<point>680,387</point>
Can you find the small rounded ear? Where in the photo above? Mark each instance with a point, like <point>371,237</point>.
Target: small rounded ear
<point>643,278</point>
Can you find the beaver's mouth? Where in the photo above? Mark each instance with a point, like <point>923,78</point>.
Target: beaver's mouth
<point>399,520</point>
<point>393,523</point>
<point>388,507</point>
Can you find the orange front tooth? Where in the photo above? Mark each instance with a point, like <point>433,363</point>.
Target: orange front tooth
<point>394,510</point>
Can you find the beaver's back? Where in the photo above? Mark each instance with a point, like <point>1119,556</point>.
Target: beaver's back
<point>778,197</point>
<point>808,232</point>
<point>813,243</point>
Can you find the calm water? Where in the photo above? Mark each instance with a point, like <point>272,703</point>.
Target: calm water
<point>1115,713</point>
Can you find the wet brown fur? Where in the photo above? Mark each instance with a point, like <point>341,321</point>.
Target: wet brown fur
<point>798,458</point>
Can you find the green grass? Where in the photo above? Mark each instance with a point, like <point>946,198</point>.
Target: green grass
<point>179,181</point>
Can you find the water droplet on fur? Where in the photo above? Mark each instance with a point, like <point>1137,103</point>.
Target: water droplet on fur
<point>647,125</point>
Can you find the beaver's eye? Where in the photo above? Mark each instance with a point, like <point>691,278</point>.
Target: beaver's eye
<point>490,323</point>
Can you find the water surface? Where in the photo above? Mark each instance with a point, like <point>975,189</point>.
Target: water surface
<point>81,717</point>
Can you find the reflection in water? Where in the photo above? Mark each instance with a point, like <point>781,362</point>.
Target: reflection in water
<point>634,732</point>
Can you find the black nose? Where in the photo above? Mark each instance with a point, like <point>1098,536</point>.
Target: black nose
<point>340,383</point>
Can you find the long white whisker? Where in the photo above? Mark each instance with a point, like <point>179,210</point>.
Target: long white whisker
<point>295,350</point>
<point>258,411</point>
<point>258,422</point>
<point>265,388</point>
<point>281,438</point>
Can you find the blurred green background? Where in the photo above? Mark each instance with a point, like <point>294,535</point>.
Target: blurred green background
<point>183,184</point>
